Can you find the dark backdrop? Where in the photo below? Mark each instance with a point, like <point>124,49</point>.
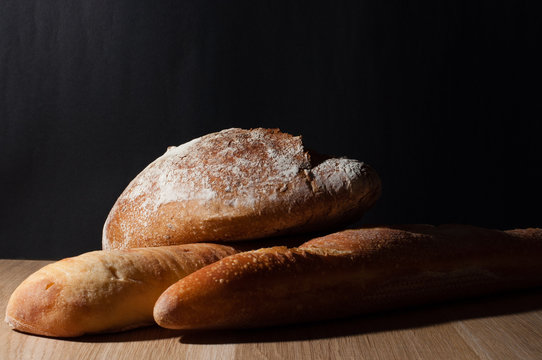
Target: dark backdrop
<point>441,97</point>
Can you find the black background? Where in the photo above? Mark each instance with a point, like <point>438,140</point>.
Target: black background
<point>441,97</point>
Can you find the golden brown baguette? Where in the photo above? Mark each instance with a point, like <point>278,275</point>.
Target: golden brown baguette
<point>352,272</point>
<point>103,291</point>
<point>237,185</point>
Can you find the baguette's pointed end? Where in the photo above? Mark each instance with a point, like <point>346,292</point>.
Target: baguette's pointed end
<point>165,311</point>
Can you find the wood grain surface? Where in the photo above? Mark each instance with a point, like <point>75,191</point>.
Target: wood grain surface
<point>507,326</point>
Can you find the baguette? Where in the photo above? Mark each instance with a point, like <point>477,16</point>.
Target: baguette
<point>238,185</point>
<point>103,291</point>
<point>352,272</point>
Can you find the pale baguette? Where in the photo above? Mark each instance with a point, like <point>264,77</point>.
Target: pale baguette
<point>103,291</point>
<point>352,272</point>
<point>236,185</point>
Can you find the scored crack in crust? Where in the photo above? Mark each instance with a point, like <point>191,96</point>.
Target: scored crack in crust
<point>237,185</point>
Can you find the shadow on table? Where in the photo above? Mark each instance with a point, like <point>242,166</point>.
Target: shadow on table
<point>510,303</point>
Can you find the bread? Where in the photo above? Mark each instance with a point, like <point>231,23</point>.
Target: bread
<point>103,291</point>
<point>235,185</point>
<point>352,272</point>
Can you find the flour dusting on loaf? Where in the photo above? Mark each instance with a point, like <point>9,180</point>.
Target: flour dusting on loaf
<point>238,184</point>
<point>204,168</point>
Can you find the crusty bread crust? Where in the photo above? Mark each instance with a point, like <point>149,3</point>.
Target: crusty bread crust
<point>352,272</point>
<point>236,185</point>
<point>103,291</point>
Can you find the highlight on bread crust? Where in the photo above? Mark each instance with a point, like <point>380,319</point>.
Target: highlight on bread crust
<point>236,185</point>
<point>103,291</point>
<point>352,272</point>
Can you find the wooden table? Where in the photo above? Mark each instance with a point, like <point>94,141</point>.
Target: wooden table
<point>498,327</point>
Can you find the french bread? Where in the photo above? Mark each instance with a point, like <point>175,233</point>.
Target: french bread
<point>103,291</point>
<point>237,185</point>
<point>352,272</point>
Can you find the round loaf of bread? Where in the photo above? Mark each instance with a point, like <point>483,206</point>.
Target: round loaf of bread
<point>238,185</point>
